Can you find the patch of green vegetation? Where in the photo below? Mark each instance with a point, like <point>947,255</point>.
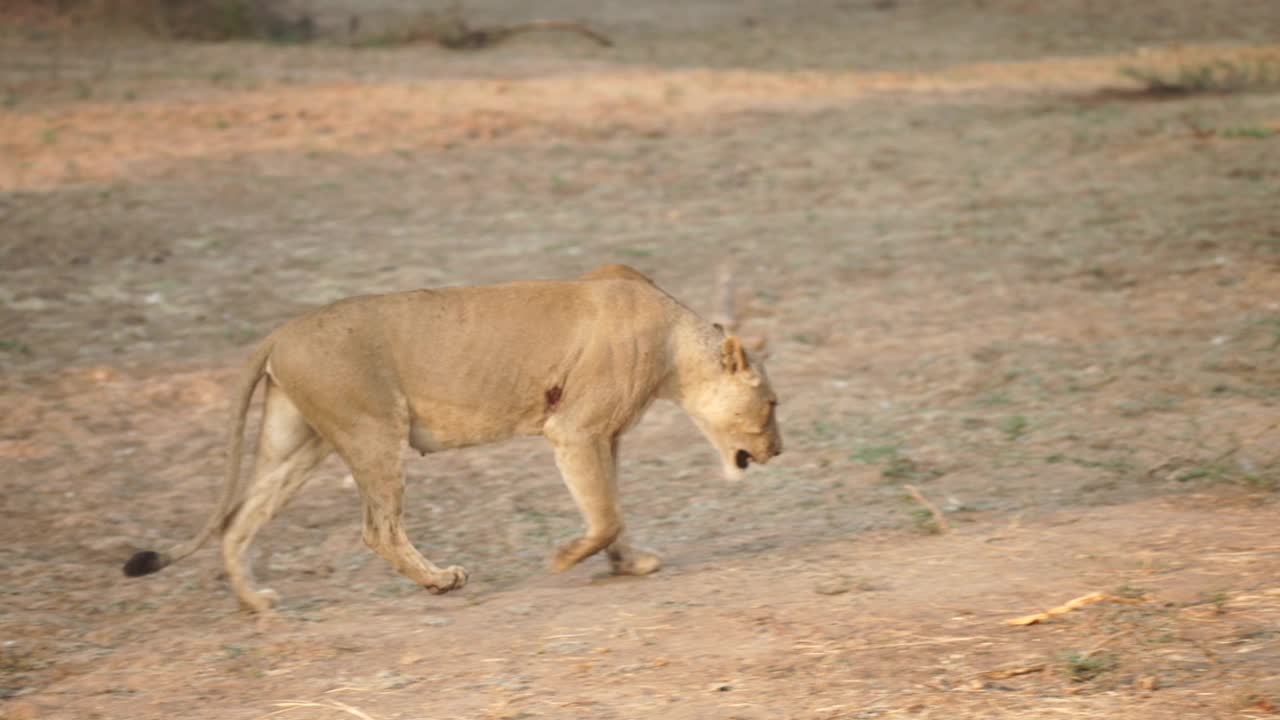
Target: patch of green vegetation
<point>1116,465</point>
<point>1262,482</point>
<point>1251,133</point>
<point>1015,426</point>
<point>823,429</point>
<point>1200,473</point>
<point>900,468</point>
<point>1082,667</point>
<point>895,465</point>
<point>241,334</point>
<point>16,347</point>
<point>1209,76</point>
<point>871,454</point>
<point>924,521</point>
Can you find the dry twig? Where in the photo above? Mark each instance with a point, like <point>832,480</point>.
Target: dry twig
<point>291,705</point>
<point>938,518</point>
<point>1091,598</point>
<point>1011,672</point>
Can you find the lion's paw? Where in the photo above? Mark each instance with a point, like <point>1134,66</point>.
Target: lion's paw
<point>565,557</point>
<point>260,601</point>
<point>452,578</point>
<point>637,562</point>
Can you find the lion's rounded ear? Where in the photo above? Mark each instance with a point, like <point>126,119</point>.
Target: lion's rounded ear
<point>732,356</point>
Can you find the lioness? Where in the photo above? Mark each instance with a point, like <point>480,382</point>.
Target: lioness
<point>576,361</point>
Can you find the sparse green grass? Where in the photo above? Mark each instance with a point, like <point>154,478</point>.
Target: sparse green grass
<point>16,347</point>
<point>1268,482</point>
<point>1129,591</point>
<point>241,334</point>
<point>924,521</point>
<point>1217,599</point>
<point>895,466</point>
<point>1248,132</point>
<point>1015,426</point>
<point>1082,667</point>
<point>870,454</point>
<point>1199,473</point>
<point>1119,466</point>
<point>1208,76</point>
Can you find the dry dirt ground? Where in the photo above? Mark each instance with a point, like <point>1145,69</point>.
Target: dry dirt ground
<point>988,266</point>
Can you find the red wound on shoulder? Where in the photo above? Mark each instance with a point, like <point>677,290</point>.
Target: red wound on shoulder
<point>553,397</point>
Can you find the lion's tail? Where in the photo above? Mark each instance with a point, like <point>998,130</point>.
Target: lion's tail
<point>149,561</point>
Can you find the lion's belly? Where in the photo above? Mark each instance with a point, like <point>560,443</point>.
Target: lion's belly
<point>423,440</point>
<point>458,431</point>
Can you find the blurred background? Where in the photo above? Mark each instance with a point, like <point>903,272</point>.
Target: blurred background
<point>1016,261</point>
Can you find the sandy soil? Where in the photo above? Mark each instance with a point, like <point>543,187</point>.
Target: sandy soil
<point>988,265</point>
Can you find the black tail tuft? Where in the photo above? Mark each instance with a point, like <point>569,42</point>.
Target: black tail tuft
<point>144,563</point>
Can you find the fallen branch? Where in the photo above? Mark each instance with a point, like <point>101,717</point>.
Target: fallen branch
<point>1011,672</point>
<point>938,518</point>
<point>1091,598</point>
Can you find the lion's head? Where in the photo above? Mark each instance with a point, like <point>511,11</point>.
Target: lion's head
<point>735,409</point>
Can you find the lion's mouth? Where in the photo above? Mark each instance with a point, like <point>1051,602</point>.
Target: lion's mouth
<point>742,458</point>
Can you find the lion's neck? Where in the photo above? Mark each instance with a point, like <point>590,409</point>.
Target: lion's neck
<point>695,357</point>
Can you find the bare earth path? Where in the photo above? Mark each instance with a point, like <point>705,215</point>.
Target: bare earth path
<point>988,268</point>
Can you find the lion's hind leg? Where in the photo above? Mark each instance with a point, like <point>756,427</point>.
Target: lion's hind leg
<point>287,450</point>
<point>374,459</point>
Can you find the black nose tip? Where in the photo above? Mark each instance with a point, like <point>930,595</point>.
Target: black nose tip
<point>741,458</point>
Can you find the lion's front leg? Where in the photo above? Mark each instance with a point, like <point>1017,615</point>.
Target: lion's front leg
<point>624,559</point>
<point>588,469</point>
